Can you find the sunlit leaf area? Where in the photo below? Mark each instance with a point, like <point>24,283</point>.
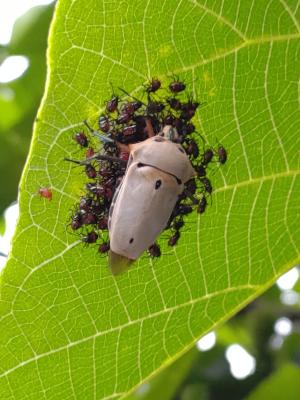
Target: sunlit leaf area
<point>217,316</point>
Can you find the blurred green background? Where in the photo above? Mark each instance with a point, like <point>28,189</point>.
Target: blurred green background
<point>20,98</point>
<point>266,364</point>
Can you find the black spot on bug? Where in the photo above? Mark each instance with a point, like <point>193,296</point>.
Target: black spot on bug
<point>157,184</point>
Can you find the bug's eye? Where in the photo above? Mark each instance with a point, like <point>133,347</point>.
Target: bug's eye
<point>159,139</point>
<point>157,184</point>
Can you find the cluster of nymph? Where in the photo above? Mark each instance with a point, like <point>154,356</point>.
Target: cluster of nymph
<point>128,120</point>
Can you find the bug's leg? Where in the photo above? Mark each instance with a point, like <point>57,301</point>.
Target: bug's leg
<point>191,197</point>
<point>129,95</point>
<point>123,147</point>
<point>149,129</point>
<point>102,138</point>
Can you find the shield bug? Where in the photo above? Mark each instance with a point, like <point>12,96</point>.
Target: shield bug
<point>46,193</point>
<point>88,218</point>
<point>174,239</point>
<point>207,156</point>
<point>85,203</point>
<point>206,185</point>
<point>123,118</point>
<point>201,170</point>
<point>176,86</point>
<point>178,224</point>
<point>128,108</point>
<point>154,250</point>
<point>153,85</point>
<point>160,168</point>
<point>81,139</point>
<point>188,110</point>
<point>104,124</point>
<point>104,247</point>
<point>174,104</point>
<point>168,119</point>
<point>202,205</point>
<point>76,222</point>
<point>112,104</point>
<point>102,223</point>
<point>90,237</point>
<point>192,148</point>
<point>222,154</point>
<point>89,153</point>
<point>90,171</point>
<point>184,209</point>
<point>154,107</point>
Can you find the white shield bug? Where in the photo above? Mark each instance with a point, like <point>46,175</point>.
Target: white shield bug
<point>142,205</point>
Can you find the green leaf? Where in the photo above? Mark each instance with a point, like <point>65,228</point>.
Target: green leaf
<point>281,384</point>
<point>71,330</point>
<point>165,384</point>
<point>19,99</point>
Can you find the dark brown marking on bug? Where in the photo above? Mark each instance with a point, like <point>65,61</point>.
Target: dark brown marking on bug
<point>158,184</point>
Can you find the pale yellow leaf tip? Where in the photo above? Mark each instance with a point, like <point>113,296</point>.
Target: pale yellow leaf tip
<point>118,263</point>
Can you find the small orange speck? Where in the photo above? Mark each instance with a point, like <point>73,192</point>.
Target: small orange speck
<point>46,193</point>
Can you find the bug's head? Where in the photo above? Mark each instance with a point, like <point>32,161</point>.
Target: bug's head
<point>170,133</point>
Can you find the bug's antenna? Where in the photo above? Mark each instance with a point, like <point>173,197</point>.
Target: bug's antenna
<point>129,95</point>
<point>97,157</point>
<point>102,138</point>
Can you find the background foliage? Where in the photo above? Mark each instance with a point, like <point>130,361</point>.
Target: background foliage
<point>19,99</point>
<point>61,310</point>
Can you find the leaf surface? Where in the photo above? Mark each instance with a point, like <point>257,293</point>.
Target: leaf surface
<point>70,330</point>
